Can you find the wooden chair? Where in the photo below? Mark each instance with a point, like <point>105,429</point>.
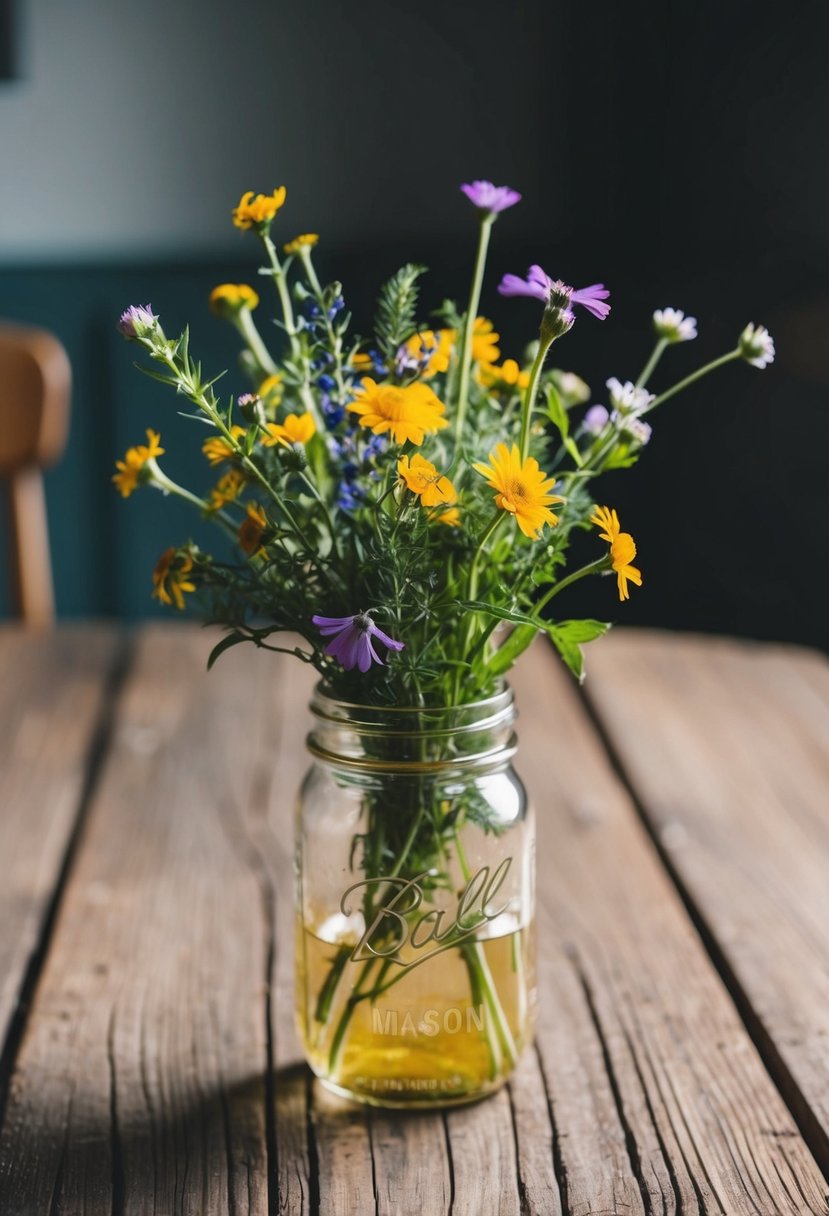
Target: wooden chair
<point>35,379</point>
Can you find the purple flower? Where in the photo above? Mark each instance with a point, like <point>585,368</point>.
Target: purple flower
<point>488,197</point>
<point>136,320</point>
<point>553,292</point>
<point>351,639</point>
<point>595,420</point>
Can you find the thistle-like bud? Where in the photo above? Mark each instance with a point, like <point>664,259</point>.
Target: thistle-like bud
<point>296,458</point>
<point>252,408</point>
<point>138,321</point>
<point>757,346</point>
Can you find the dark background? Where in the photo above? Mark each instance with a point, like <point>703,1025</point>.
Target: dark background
<point>676,152</point>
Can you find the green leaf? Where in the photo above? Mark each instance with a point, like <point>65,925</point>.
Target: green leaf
<point>231,639</point>
<point>503,614</point>
<point>568,638</point>
<point>556,411</point>
<point>570,445</point>
<point>396,309</point>
<point>621,458</point>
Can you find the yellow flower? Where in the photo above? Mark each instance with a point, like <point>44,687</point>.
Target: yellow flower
<point>261,209</point>
<point>622,549</point>
<point>297,428</point>
<point>522,489</point>
<point>170,577</point>
<point>251,528</point>
<point>423,479</point>
<point>508,375</point>
<point>270,390</point>
<point>485,342</point>
<point>451,517</point>
<point>218,449</point>
<point>433,349</point>
<point>305,240</point>
<point>231,297</point>
<point>227,489</point>
<point>361,361</point>
<point>129,469</point>
<point>409,413</point>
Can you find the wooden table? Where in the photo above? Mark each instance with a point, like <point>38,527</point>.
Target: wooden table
<point>150,1063</point>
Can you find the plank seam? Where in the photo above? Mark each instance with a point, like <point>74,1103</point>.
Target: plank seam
<point>97,751</point>
<point>804,1117</point>
<point>559,1167</point>
<point>450,1163</point>
<point>115,1146</point>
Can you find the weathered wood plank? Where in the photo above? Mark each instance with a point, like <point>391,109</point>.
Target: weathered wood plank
<point>727,746</point>
<point>52,696</point>
<point>659,1100</point>
<point>140,1083</point>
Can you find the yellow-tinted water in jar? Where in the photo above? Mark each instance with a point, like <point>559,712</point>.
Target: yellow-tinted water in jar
<point>426,1040</point>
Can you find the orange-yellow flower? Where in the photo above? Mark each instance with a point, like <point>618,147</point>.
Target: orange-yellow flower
<point>622,549</point>
<point>408,413</point>
<point>521,488</point>
<point>170,577</point>
<point>305,240</point>
<point>230,297</point>
<point>251,528</point>
<point>218,449</point>
<point>508,375</point>
<point>431,349</point>
<point>270,390</point>
<point>254,210</point>
<point>297,428</point>
<point>227,489</point>
<point>130,468</point>
<point>485,342</point>
<point>423,479</point>
<point>362,361</point>
<point>451,517</point>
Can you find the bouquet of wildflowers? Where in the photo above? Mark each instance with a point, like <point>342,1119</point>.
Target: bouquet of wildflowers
<point>400,507</point>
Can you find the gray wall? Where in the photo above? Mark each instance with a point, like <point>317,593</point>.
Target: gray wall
<point>136,125</point>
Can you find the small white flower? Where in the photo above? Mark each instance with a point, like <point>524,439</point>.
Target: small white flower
<point>671,323</point>
<point>627,398</point>
<point>634,428</point>
<point>757,346</point>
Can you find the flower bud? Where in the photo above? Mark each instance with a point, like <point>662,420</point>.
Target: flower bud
<point>252,408</point>
<point>138,321</point>
<point>228,299</point>
<point>672,325</point>
<point>756,346</point>
<point>296,458</point>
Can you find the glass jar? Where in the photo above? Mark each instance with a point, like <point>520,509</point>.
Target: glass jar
<point>415,905</point>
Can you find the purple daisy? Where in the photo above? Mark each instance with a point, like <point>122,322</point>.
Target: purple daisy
<point>488,197</point>
<point>136,320</point>
<point>351,639</point>
<point>540,286</point>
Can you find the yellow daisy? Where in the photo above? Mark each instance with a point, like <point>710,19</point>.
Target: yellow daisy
<point>507,375</point>
<point>129,469</point>
<point>254,210</point>
<point>451,517</point>
<point>361,361</point>
<point>423,479</point>
<point>170,577</point>
<point>251,528</point>
<point>522,489</point>
<point>218,449</point>
<point>434,349</point>
<point>297,428</point>
<point>485,342</point>
<point>622,549</point>
<point>230,297</point>
<point>305,240</point>
<point>227,489</point>
<point>270,390</point>
<point>408,413</point>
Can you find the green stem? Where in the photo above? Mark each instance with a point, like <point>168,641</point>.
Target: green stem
<point>648,369</point>
<point>281,283</point>
<point>487,221</point>
<point>530,394</point>
<point>596,567</point>
<point>167,486</point>
<point>245,324</point>
<point>692,379</point>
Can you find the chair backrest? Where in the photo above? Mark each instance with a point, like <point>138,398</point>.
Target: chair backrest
<point>35,382</point>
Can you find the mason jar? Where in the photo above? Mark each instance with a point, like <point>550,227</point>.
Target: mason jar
<point>414,864</point>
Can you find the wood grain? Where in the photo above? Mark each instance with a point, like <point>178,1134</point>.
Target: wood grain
<point>727,745</point>
<point>658,1098</point>
<point>53,691</point>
